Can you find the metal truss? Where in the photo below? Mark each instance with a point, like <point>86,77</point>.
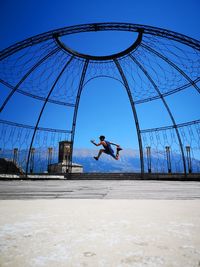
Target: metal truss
<point>100,27</point>
<point>64,72</point>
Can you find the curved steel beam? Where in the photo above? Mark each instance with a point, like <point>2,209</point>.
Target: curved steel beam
<point>168,93</point>
<point>171,127</point>
<point>57,102</point>
<point>26,76</point>
<point>166,106</point>
<point>134,114</point>
<point>102,76</point>
<point>76,109</point>
<point>100,27</point>
<point>173,65</point>
<point>68,131</point>
<point>100,58</point>
<point>32,127</point>
<point>43,107</point>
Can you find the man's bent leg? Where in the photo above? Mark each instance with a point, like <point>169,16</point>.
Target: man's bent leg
<point>99,154</point>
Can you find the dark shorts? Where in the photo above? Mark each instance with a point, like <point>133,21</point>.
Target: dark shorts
<point>110,152</point>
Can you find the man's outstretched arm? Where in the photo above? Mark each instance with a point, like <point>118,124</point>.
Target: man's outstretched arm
<point>93,142</point>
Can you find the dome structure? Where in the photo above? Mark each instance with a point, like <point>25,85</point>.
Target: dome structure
<point>43,74</point>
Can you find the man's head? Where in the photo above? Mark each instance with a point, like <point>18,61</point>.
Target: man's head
<point>102,137</point>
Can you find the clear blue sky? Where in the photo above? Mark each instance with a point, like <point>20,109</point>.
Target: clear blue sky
<point>22,19</point>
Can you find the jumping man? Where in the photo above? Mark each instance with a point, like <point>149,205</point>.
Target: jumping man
<point>107,148</point>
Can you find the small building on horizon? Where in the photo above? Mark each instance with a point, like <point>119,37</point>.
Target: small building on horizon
<point>64,163</point>
<point>62,167</point>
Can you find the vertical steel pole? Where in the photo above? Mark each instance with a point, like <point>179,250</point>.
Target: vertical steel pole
<point>50,152</point>
<point>43,107</point>
<point>32,160</point>
<point>169,166</point>
<point>149,158</point>
<point>75,114</point>
<point>15,155</point>
<point>134,114</point>
<point>167,108</point>
<point>189,161</point>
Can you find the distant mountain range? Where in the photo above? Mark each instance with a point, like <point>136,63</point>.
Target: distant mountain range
<point>129,161</point>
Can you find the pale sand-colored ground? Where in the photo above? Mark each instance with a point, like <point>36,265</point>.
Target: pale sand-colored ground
<point>100,233</point>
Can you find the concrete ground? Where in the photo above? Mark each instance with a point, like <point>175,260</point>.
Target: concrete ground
<point>99,189</point>
<point>99,224</point>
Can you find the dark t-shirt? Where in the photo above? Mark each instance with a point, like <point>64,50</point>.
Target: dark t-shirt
<point>108,148</point>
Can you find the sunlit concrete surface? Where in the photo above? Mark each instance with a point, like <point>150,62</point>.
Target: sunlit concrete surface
<point>99,223</point>
<point>99,189</point>
<point>99,233</point>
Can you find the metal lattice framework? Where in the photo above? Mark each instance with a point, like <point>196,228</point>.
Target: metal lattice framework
<point>158,64</point>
